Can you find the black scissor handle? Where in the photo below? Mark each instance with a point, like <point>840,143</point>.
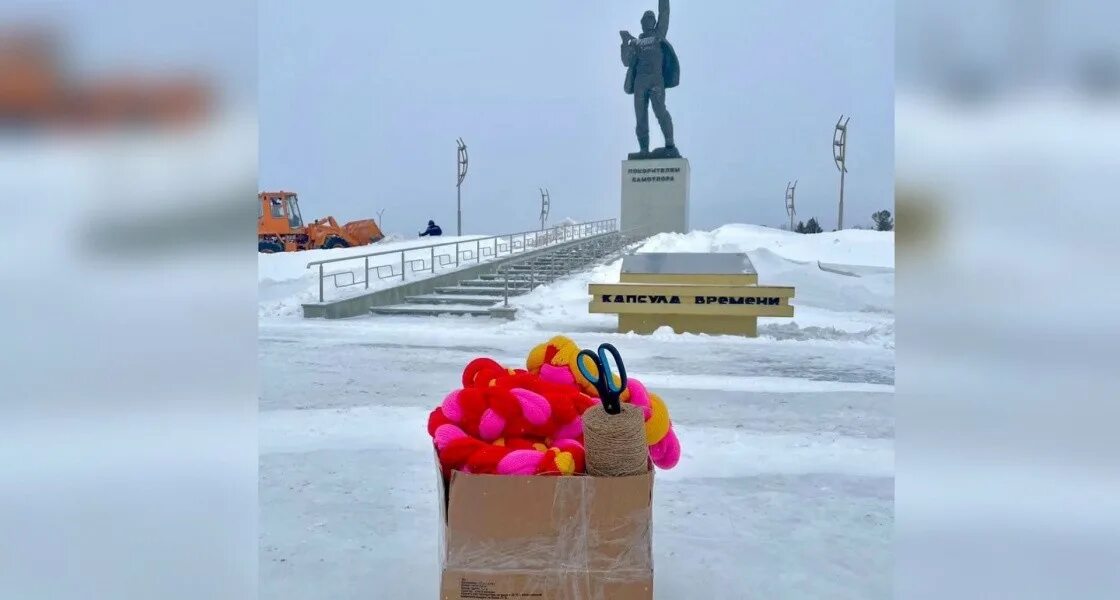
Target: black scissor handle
<point>603,379</point>
<point>618,362</point>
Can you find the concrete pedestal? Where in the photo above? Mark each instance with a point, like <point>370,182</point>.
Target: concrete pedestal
<point>713,293</point>
<point>655,195</point>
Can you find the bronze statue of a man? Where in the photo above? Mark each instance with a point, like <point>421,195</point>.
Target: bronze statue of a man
<point>651,68</point>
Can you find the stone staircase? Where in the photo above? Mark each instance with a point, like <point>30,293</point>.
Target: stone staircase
<point>486,295</point>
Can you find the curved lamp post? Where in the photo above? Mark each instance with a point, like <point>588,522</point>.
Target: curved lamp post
<point>546,204</point>
<point>839,155</point>
<point>790,209</point>
<point>462,173</point>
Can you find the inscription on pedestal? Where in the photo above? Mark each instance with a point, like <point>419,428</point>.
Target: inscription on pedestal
<point>655,195</point>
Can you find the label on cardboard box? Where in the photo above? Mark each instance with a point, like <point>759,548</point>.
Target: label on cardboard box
<point>477,589</point>
<point>462,585</point>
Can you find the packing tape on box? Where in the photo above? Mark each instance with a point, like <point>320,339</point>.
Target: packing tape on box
<point>595,534</point>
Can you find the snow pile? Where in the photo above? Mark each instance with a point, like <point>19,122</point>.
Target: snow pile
<point>848,247</point>
<point>394,238</point>
<point>830,306</point>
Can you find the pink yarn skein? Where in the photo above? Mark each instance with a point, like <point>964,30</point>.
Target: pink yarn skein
<point>445,434</point>
<point>639,396</point>
<point>666,453</point>
<point>491,425</point>
<point>451,407</point>
<point>553,374</point>
<point>533,405</point>
<point>570,431</point>
<point>520,462</point>
<point>568,445</point>
<point>562,375</point>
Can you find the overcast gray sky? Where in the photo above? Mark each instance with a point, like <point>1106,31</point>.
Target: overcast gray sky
<point>361,102</point>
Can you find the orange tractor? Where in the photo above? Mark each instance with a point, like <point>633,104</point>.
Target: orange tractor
<point>280,227</point>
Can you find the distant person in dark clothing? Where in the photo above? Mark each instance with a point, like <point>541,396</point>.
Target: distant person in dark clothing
<point>432,230</point>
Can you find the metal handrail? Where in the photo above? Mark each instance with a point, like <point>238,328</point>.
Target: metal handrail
<point>629,236</point>
<point>483,247</point>
<point>625,240</point>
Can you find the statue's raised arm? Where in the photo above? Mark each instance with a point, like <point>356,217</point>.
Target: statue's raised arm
<point>663,18</point>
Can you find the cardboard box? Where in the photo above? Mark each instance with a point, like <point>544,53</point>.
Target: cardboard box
<point>546,538</point>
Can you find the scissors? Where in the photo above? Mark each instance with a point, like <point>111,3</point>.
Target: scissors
<point>603,378</point>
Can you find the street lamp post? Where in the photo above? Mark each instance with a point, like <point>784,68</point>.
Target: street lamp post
<point>790,209</point>
<point>462,172</point>
<point>546,204</point>
<point>839,155</point>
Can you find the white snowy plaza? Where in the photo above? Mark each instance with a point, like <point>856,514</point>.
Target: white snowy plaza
<point>785,488</point>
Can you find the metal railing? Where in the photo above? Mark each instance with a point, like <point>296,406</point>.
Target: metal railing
<point>541,270</point>
<point>451,255</point>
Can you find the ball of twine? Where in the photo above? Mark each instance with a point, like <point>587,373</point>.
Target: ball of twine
<point>615,444</point>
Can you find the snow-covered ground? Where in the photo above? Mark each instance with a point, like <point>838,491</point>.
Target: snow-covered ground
<point>785,489</point>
